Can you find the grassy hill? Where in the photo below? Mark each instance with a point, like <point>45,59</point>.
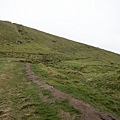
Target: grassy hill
<point>37,42</point>
<point>85,72</point>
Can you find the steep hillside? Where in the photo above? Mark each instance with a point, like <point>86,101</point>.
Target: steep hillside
<point>80,71</point>
<point>16,38</point>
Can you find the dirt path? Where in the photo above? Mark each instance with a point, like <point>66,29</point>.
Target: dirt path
<point>88,112</point>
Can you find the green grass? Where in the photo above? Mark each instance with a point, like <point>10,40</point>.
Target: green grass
<point>19,99</point>
<point>86,72</point>
<point>47,93</point>
<point>61,104</point>
<point>36,42</point>
<point>94,83</point>
<point>65,105</point>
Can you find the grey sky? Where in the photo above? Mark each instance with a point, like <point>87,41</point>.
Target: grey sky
<point>94,22</point>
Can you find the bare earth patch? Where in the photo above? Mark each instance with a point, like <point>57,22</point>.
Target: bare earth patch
<point>88,112</point>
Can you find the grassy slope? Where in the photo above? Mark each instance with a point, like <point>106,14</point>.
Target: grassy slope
<point>19,99</point>
<point>86,72</point>
<point>95,83</point>
<point>38,42</point>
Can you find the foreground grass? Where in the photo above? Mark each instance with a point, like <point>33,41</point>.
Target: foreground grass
<point>96,83</point>
<point>19,98</point>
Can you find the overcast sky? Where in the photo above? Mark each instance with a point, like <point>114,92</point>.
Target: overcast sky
<point>94,22</point>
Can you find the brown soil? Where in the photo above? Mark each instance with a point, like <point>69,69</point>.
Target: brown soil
<point>88,112</point>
